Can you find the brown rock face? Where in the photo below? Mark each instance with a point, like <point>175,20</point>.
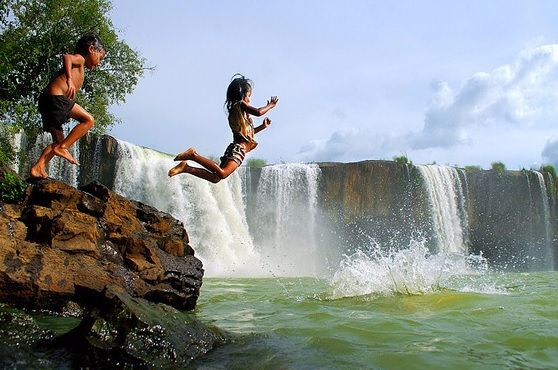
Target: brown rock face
<point>62,240</point>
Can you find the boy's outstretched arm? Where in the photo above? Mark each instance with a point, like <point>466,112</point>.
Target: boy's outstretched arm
<point>69,61</point>
<point>258,112</point>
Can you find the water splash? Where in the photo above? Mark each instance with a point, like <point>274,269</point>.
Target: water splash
<point>213,214</point>
<point>447,204</point>
<point>411,271</point>
<point>285,217</point>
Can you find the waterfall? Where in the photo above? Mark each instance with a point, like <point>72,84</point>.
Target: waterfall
<point>285,217</point>
<point>97,154</point>
<point>447,205</point>
<point>213,214</point>
<point>15,141</point>
<point>546,214</point>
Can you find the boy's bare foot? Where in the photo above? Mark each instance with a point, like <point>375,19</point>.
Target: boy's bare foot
<point>179,168</point>
<point>185,155</point>
<point>64,153</point>
<point>37,172</point>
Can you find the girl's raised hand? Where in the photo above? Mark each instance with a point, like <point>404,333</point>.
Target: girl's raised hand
<point>266,122</point>
<point>273,101</point>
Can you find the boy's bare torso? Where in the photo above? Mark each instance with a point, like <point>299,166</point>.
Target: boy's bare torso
<point>59,85</point>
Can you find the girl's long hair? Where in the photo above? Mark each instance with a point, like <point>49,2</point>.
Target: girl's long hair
<point>237,90</point>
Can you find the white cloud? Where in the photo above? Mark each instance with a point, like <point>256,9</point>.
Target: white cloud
<point>519,95</point>
<point>550,151</point>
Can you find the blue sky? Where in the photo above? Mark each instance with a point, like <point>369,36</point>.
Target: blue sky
<point>460,83</point>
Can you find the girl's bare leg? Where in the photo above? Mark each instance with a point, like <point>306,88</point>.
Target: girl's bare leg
<point>212,172</point>
<point>202,173</point>
<point>185,155</point>
<point>86,122</point>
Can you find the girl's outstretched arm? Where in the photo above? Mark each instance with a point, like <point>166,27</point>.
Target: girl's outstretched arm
<point>266,122</point>
<point>258,112</point>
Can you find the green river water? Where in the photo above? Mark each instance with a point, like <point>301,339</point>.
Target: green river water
<point>484,321</point>
<point>404,309</point>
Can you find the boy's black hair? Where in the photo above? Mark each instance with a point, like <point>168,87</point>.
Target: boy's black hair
<point>237,90</point>
<point>87,40</point>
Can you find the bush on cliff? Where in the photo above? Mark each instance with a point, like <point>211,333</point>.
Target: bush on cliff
<point>553,184</point>
<point>473,168</point>
<point>499,167</point>
<point>548,168</point>
<point>402,159</point>
<point>12,186</point>
<point>256,163</point>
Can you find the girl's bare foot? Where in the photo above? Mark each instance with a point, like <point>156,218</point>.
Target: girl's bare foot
<point>179,168</point>
<point>64,153</point>
<point>185,155</point>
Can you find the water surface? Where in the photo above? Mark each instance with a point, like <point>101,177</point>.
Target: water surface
<point>491,321</point>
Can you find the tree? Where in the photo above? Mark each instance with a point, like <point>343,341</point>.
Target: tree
<point>34,34</point>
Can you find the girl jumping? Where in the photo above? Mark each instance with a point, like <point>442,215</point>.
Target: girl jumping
<point>240,111</point>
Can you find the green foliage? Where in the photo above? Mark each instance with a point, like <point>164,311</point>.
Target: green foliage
<point>548,168</point>
<point>552,185</point>
<point>11,188</point>
<point>402,159</point>
<point>7,152</point>
<point>499,167</point>
<point>34,35</point>
<point>256,163</point>
<point>473,168</point>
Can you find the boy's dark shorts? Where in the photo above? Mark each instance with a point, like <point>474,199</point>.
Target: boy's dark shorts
<point>55,110</point>
<point>234,152</point>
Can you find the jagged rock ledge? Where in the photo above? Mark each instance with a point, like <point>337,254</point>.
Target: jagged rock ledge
<point>127,266</point>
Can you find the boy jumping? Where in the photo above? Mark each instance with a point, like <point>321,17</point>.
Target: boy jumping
<point>57,106</point>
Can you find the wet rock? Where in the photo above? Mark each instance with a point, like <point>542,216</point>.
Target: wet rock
<point>60,239</point>
<point>121,328</point>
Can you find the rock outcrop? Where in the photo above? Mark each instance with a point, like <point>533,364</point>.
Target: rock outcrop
<point>125,268</point>
<point>61,239</point>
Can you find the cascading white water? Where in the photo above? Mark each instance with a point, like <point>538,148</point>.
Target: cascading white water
<point>285,217</point>
<point>447,205</point>
<point>213,214</point>
<point>16,145</point>
<point>546,215</point>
